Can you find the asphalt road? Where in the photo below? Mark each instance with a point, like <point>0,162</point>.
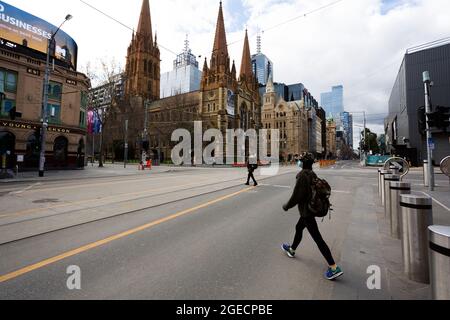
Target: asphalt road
<point>220,242</point>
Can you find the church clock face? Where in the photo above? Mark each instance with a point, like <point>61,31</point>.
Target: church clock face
<point>211,94</point>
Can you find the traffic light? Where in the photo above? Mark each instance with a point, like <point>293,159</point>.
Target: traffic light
<point>443,117</point>
<point>37,135</point>
<point>433,119</point>
<point>422,120</point>
<point>146,145</point>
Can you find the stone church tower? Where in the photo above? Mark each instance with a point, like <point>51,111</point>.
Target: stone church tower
<point>143,60</point>
<point>225,102</point>
<point>248,99</point>
<point>218,85</point>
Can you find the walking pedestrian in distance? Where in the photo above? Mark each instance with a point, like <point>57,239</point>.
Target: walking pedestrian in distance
<point>251,167</point>
<point>302,196</point>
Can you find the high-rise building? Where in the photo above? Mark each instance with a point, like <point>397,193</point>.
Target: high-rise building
<point>403,137</point>
<point>185,76</point>
<point>333,102</point>
<point>331,139</point>
<point>262,65</point>
<point>291,92</point>
<point>347,125</point>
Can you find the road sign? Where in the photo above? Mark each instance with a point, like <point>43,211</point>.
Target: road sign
<point>401,164</point>
<point>20,158</point>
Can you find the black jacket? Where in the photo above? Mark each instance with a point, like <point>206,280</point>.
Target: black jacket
<point>251,167</point>
<point>302,193</point>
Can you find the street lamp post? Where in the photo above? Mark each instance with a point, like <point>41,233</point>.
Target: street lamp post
<point>299,126</point>
<point>45,102</point>
<point>365,135</point>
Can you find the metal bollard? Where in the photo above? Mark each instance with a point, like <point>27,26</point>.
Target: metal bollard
<point>417,216</point>
<point>425,173</point>
<point>396,190</point>
<point>394,169</point>
<point>382,173</point>
<point>388,178</point>
<point>379,182</point>
<point>440,262</point>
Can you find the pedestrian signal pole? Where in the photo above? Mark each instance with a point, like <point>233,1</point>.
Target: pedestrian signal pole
<point>430,145</point>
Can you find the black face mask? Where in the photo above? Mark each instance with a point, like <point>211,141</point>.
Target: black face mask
<point>307,165</point>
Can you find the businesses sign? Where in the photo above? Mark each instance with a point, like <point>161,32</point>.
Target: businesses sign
<point>26,30</point>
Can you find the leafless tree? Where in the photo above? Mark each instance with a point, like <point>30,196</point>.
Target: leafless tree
<point>103,98</point>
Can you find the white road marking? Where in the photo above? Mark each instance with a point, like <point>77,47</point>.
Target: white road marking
<point>275,186</point>
<point>289,187</point>
<point>439,203</point>
<point>26,189</point>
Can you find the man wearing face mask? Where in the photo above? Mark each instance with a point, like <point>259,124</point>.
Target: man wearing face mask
<point>301,197</point>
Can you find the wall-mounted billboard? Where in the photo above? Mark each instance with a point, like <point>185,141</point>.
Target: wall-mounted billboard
<point>26,30</point>
<point>231,106</point>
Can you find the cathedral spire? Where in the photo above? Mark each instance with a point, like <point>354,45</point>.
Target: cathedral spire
<point>246,64</point>
<point>270,86</point>
<point>145,22</point>
<point>220,40</point>
<point>143,60</point>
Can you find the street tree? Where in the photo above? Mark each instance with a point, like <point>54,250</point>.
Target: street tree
<point>369,141</point>
<point>103,98</point>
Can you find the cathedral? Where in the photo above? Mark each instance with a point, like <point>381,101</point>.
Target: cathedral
<point>232,103</point>
<point>226,100</point>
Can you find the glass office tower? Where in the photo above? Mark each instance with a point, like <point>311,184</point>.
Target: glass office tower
<point>333,102</point>
<point>185,76</point>
<point>262,67</point>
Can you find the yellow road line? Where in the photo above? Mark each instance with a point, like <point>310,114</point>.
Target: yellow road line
<point>99,243</point>
<point>71,203</point>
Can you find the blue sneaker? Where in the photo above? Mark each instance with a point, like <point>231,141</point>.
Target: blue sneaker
<point>331,275</point>
<point>289,251</point>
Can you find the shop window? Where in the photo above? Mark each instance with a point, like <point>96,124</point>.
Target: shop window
<point>7,149</point>
<point>33,149</point>
<point>60,148</point>
<point>6,107</point>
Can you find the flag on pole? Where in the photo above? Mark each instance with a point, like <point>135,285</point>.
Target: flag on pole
<point>90,121</point>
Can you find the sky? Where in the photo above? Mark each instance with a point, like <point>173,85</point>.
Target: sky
<point>359,44</point>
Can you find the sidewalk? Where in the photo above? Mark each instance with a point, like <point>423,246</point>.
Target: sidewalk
<point>90,171</point>
<point>112,170</point>
<point>441,201</point>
